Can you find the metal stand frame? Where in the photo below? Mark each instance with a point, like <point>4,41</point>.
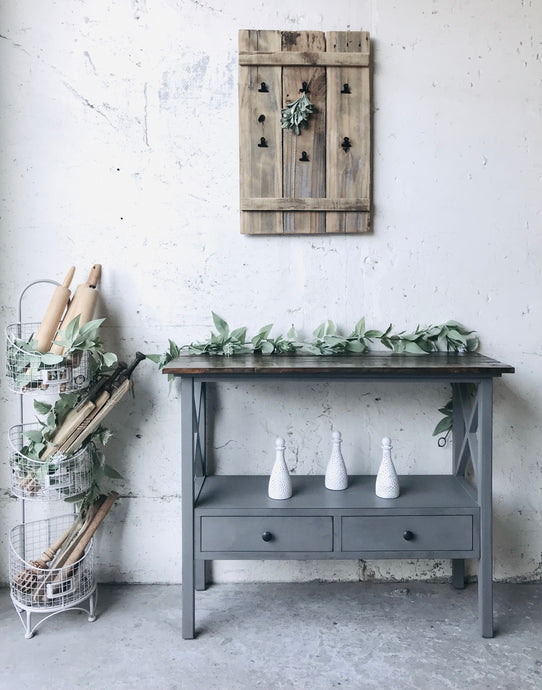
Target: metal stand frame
<point>26,613</point>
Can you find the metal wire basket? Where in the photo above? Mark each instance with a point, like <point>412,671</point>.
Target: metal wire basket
<point>57,478</point>
<point>26,373</point>
<point>42,589</point>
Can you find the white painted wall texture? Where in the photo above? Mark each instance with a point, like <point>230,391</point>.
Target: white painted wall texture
<point>119,145</point>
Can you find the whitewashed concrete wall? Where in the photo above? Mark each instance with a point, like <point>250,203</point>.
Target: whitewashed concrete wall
<point>119,145</point>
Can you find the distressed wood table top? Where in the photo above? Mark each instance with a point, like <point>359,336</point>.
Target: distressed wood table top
<point>379,364</point>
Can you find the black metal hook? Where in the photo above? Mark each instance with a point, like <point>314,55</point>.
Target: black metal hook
<point>263,88</point>
<point>304,158</point>
<point>304,88</point>
<point>346,144</point>
<point>263,143</point>
<point>346,89</point>
<point>443,440</point>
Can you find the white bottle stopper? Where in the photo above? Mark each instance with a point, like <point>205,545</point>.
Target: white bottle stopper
<point>336,474</point>
<point>280,484</point>
<point>387,483</point>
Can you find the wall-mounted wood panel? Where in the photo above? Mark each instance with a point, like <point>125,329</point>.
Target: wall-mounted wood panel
<point>320,180</point>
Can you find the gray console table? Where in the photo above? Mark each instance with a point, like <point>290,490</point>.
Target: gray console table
<point>436,516</point>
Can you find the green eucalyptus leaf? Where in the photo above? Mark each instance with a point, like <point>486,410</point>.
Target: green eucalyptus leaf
<point>75,499</point>
<point>90,327</point>
<point>109,358</point>
<point>221,325</point>
<point>320,331</point>
<point>38,448</point>
<point>50,359</point>
<point>265,330</point>
<point>50,421</point>
<point>239,334</point>
<point>71,329</point>
<point>33,435</point>
<point>359,328</point>
<point>111,472</point>
<point>355,346</point>
<point>414,349</point>
<point>42,407</point>
<point>445,424</point>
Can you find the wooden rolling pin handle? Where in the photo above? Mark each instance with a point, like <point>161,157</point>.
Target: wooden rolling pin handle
<point>49,552</point>
<point>69,277</point>
<point>53,315</point>
<point>94,275</point>
<point>93,526</point>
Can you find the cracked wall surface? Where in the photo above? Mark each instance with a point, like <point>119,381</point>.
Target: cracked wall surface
<point>119,145</point>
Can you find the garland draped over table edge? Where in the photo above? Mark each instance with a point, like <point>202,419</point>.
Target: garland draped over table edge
<point>450,336</point>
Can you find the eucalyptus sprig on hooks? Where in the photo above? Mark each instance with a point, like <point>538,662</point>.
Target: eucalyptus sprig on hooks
<point>297,114</point>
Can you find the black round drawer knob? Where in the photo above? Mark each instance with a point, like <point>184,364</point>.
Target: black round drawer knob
<point>408,535</point>
<point>267,536</point>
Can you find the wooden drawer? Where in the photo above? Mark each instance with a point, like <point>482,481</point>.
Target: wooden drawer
<point>407,533</point>
<point>266,534</point>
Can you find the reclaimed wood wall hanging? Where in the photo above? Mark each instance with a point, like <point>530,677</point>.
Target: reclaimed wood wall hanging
<point>320,180</point>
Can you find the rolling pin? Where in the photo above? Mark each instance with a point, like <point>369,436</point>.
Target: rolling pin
<point>83,304</point>
<point>53,315</point>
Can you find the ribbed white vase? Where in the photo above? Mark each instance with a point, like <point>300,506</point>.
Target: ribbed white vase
<point>280,484</point>
<point>387,483</point>
<point>336,474</point>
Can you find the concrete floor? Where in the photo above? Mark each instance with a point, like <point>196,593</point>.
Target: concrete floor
<point>310,636</point>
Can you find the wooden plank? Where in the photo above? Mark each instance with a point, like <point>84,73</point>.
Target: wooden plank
<point>348,115</point>
<point>316,59</point>
<point>260,167</point>
<point>469,364</point>
<point>300,178</point>
<point>276,185</point>
<point>304,204</point>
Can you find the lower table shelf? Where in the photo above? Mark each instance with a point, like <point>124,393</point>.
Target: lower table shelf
<point>436,516</point>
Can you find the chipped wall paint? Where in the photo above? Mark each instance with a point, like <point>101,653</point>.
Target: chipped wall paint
<point>119,145</point>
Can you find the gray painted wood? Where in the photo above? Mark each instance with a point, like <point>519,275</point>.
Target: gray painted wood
<point>224,494</point>
<point>484,477</point>
<point>187,488</point>
<point>424,533</point>
<point>447,516</point>
<point>267,533</point>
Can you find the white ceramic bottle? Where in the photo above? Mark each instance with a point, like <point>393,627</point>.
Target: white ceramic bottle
<point>387,483</point>
<point>336,474</point>
<point>280,484</point>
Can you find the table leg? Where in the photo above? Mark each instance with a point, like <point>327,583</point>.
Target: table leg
<point>202,574</point>
<point>187,498</point>
<point>485,566</point>
<point>458,573</point>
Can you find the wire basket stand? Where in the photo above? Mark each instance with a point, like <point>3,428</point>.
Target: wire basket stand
<point>26,373</point>
<point>38,589</point>
<point>58,478</point>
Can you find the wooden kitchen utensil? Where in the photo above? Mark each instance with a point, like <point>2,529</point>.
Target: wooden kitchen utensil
<point>83,304</point>
<point>53,315</point>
